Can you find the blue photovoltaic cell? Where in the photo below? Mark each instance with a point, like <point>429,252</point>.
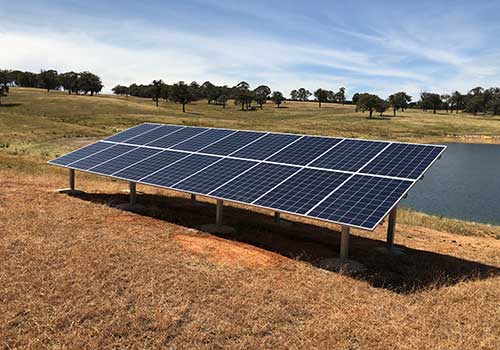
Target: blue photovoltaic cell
<point>136,130</point>
<point>180,170</point>
<point>177,137</point>
<point>232,143</point>
<point>81,153</point>
<point>118,163</point>
<point>255,182</point>
<point>266,146</point>
<point>404,160</point>
<point>303,191</point>
<point>203,140</point>
<point>362,201</point>
<point>349,155</point>
<point>215,175</point>
<point>146,167</point>
<point>101,157</point>
<point>304,150</point>
<point>153,135</point>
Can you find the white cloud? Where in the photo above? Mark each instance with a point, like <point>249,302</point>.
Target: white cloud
<point>132,51</point>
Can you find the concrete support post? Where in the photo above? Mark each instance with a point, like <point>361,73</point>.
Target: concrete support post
<point>193,197</point>
<point>218,214</point>
<point>72,179</point>
<point>277,217</point>
<point>391,228</point>
<point>133,193</point>
<point>344,244</point>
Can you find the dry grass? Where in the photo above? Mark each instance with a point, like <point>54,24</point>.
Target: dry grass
<point>76,273</point>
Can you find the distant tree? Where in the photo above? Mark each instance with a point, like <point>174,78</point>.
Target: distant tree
<point>89,82</point>
<point>331,96</point>
<point>262,93</point>
<point>243,85</point>
<point>340,95</point>
<point>49,79</point>
<point>4,77</point>
<point>475,101</point>
<point>321,96</point>
<point>195,90</point>
<point>430,101</point>
<point>278,98</point>
<point>165,92</point>
<point>15,77</point>
<point>222,100</point>
<point>242,95</point>
<point>4,89</point>
<point>457,101</point>
<point>445,102</point>
<point>294,95</point>
<point>28,79</point>
<point>382,107</point>
<point>303,94</point>
<point>399,100</point>
<point>494,101</point>
<point>355,98</point>
<point>209,91</point>
<point>369,102</point>
<point>120,90</point>
<point>181,93</point>
<point>69,81</point>
<point>157,86</point>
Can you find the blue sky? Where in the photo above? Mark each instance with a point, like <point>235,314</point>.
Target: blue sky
<point>375,46</point>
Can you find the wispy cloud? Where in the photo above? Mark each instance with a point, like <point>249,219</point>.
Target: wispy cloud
<point>304,49</point>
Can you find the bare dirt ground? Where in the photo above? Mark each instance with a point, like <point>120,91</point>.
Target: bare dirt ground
<point>78,273</point>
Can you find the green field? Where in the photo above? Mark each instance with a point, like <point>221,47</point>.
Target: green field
<point>36,125</point>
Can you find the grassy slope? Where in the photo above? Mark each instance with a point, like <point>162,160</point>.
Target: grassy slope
<point>77,273</point>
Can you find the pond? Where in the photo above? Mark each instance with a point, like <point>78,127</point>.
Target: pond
<point>463,184</point>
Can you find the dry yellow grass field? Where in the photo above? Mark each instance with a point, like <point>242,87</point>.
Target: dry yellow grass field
<point>78,273</point>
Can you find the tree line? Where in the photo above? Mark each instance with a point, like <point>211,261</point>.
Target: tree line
<point>477,100</point>
<point>184,94</point>
<point>320,95</point>
<point>72,82</point>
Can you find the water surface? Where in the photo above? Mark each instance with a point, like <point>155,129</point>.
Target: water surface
<point>463,184</point>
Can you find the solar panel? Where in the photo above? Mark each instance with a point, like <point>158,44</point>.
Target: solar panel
<point>251,185</point>
<point>180,170</point>
<point>363,201</point>
<point>349,155</point>
<point>266,146</point>
<point>203,140</point>
<point>404,160</point>
<point>152,135</point>
<point>129,133</point>
<point>176,137</point>
<point>346,181</point>
<point>136,155</point>
<point>215,175</point>
<point>137,171</point>
<point>302,191</point>
<point>100,157</point>
<point>232,143</point>
<point>81,153</point>
<point>305,150</point>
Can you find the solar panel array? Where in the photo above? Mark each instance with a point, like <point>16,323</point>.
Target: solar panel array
<point>347,181</point>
